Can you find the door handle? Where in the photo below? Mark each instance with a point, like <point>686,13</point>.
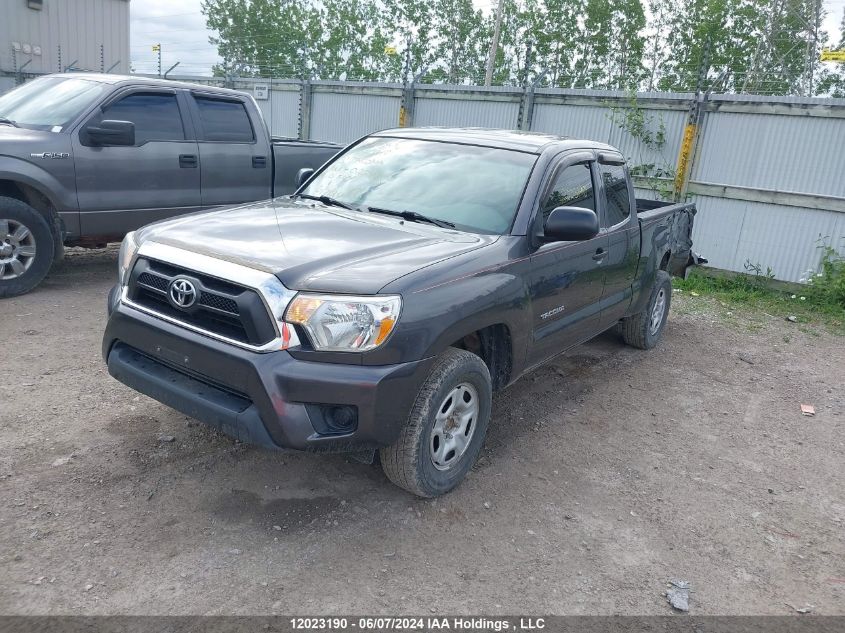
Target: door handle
<point>600,254</point>
<point>259,162</point>
<point>188,161</point>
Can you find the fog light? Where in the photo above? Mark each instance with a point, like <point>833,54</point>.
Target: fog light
<point>333,419</point>
<point>343,418</point>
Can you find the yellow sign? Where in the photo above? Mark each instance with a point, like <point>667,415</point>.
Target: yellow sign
<point>833,56</point>
<point>389,50</point>
<point>684,158</point>
<point>156,48</point>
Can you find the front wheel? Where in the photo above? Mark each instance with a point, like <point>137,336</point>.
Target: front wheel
<point>446,428</point>
<point>26,247</point>
<point>644,329</point>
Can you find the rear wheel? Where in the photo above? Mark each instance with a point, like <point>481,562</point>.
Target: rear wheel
<point>446,427</point>
<point>644,329</point>
<point>26,247</point>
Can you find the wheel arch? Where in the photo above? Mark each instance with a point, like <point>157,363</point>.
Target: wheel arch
<point>39,200</point>
<point>494,345</point>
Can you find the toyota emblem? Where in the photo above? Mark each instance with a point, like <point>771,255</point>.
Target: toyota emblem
<point>183,294</point>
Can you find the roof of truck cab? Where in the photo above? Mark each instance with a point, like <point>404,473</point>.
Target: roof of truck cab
<point>533,142</point>
<point>143,81</point>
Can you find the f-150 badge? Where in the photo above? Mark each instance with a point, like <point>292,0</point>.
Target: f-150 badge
<point>51,155</point>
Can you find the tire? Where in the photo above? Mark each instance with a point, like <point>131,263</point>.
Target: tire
<point>27,247</point>
<point>644,329</point>
<point>419,461</point>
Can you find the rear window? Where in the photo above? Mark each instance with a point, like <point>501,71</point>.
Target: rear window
<point>617,195</point>
<point>225,121</point>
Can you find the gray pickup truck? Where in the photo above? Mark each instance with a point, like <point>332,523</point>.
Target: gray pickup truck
<point>86,158</point>
<point>380,306</point>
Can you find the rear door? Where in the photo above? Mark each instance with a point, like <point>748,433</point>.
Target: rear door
<point>235,155</point>
<point>123,188</point>
<point>566,278</point>
<point>618,220</point>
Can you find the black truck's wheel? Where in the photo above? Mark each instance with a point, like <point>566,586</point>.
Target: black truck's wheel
<point>446,427</point>
<point>26,247</point>
<point>644,329</point>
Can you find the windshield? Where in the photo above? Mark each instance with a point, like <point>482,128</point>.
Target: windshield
<point>49,103</point>
<point>475,188</point>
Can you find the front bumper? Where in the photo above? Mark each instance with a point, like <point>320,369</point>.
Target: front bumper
<point>271,399</point>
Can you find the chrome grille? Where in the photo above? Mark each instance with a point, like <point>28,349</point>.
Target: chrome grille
<point>222,308</point>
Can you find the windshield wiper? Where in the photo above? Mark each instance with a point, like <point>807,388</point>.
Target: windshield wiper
<point>327,200</point>
<point>8,121</point>
<point>413,216</point>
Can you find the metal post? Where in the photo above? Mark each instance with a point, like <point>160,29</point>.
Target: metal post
<point>60,57</point>
<point>494,46</point>
<point>527,107</point>
<point>407,107</point>
<point>171,68</point>
<point>102,59</point>
<point>305,109</point>
<point>20,78</point>
<point>688,142</point>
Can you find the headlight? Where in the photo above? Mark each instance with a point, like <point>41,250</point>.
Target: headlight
<point>128,248</point>
<point>345,324</point>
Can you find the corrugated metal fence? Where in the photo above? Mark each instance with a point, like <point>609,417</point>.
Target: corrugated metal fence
<point>767,174</point>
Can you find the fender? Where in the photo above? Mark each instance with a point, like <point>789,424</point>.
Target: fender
<point>61,196</point>
<point>439,316</point>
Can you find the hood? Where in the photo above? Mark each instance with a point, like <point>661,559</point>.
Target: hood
<point>11,137</point>
<point>309,246</point>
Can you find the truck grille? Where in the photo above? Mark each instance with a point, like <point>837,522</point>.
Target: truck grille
<point>217,307</point>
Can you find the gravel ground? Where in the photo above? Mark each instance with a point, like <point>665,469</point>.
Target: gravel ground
<point>605,474</point>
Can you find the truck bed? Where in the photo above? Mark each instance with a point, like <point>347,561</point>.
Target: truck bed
<point>667,226</point>
<point>291,154</point>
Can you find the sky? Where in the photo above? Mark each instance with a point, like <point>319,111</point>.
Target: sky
<point>180,28</point>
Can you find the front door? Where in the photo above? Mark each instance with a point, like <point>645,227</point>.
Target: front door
<point>123,188</point>
<point>567,278</point>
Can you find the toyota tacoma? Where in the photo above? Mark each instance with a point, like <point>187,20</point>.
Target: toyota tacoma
<point>379,306</point>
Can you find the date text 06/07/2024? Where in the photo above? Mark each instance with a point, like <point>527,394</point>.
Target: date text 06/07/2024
<point>418,623</point>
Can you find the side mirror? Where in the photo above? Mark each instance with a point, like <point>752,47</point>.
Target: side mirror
<point>571,224</point>
<point>111,133</point>
<point>303,175</point>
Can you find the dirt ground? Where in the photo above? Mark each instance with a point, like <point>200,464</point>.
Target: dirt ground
<point>605,474</point>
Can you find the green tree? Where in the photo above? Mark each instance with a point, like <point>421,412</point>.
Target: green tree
<point>264,38</point>
<point>832,82</point>
<point>554,26</point>
<point>611,46</point>
<point>516,40</point>
<point>458,49</point>
<point>413,31</point>
<point>349,40</point>
<point>710,34</point>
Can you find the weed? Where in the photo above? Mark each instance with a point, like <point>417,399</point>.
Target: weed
<point>757,291</point>
<point>826,285</point>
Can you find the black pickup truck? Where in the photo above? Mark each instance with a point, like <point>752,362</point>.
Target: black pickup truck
<point>86,158</point>
<point>380,306</point>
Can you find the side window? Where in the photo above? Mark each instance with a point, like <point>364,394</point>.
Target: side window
<point>224,120</point>
<point>573,187</point>
<point>156,116</point>
<point>616,191</point>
